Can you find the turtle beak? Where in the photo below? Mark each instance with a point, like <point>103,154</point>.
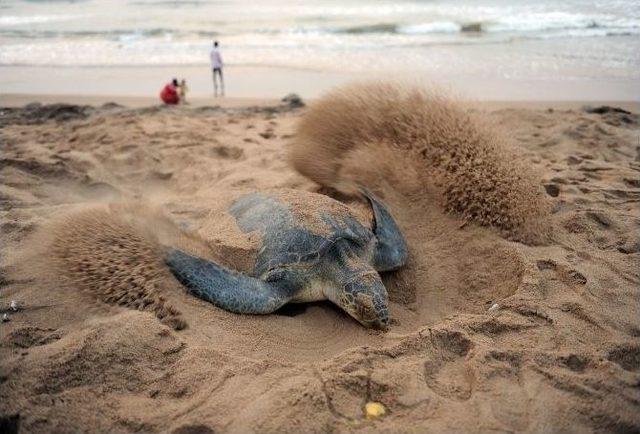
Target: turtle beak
<point>369,297</point>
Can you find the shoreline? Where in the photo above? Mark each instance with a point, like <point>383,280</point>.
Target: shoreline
<point>15,100</point>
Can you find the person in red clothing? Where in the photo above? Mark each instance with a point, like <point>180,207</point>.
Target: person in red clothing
<point>169,94</point>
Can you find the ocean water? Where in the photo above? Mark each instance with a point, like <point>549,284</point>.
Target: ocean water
<point>534,39</point>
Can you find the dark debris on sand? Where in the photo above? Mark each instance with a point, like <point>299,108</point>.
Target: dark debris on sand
<point>615,116</point>
<point>36,113</point>
<point>600,110</point>
<point>290,102</point>
<point>10,424</point>
<point>293,100</point>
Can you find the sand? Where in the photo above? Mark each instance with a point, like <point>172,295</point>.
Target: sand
<point>584,83</point>
<point>488,333</point>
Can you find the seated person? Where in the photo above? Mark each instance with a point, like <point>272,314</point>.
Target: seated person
<point>169,94</point>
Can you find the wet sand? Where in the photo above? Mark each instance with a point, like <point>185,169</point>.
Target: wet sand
<point>251,81</point>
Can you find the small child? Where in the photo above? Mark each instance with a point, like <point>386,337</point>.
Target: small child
<point>183,91</point>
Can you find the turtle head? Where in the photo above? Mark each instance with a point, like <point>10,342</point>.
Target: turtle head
<point>364,297</point>
<point>355,285</point>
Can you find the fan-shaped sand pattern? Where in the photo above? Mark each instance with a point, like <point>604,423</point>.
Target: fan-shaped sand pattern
<point>393,135</point>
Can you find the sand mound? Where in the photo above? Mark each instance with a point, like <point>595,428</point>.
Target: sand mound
<point>408,137</point>
<point>113,252</point>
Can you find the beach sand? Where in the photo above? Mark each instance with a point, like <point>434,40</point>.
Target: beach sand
<point>488,334</point>
<point>273,82</point>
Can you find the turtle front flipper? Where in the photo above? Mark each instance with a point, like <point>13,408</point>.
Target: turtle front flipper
<point>391,248</point>
<point>226,289</point>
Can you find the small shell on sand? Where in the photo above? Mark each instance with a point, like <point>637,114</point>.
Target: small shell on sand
<point>494,307</point>
<point>14,306</point>
<point>5,318</point>
<point>374,410</point>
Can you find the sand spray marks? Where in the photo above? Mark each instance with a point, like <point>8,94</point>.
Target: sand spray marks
<point>420,150</point>
<point>113,252</point>
<point>409,140</point>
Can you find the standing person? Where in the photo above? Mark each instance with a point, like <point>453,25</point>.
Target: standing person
<point>216,65</point>
<point>169,94</point>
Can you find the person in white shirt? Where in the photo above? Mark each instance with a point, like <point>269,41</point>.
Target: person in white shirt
<point>216,65</point>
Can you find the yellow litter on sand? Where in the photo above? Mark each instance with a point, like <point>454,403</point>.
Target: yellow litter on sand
<point>374,410</point>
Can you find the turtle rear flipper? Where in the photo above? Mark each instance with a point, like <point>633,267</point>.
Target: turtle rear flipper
<point>226,289</point>
<point>391,248</point>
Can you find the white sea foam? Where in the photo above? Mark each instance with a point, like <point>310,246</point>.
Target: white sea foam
<point>432,27</point>
<point>17,20</point>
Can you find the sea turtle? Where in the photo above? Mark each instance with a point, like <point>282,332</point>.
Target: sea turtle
<point>311,248</point>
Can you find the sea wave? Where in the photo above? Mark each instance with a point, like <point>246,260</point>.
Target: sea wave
<point>35,46</point>
<point>552,21</point>
<point>386,34</point>
<point>368,28</point>
<point>18,20</point>
<point>531,24</point>
<point>430,27</point>
<point>515,26</point>
<point>121,35</point>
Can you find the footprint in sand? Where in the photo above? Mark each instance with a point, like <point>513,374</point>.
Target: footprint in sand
<point>193,429</point>
<point>267,134</point>
<point>27,337</point>
<point>227,152</point>
<point>562,273</point>
<point>552,190</point>
<point>445,369</point>
<point>627,356</point>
